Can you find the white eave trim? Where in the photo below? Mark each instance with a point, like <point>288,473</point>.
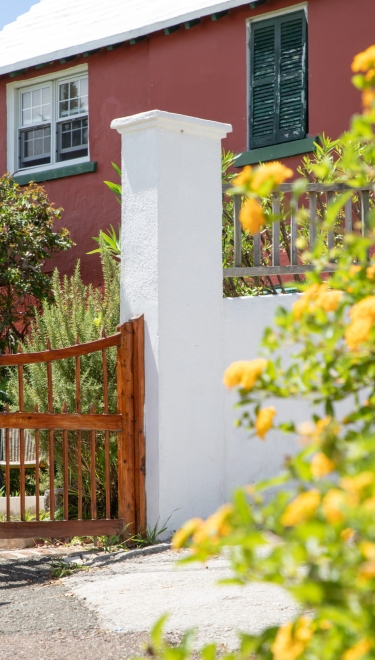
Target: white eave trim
<point>118,38</point>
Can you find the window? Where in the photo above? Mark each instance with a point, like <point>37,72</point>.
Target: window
<point>278,80</point>
<point>53,122</point>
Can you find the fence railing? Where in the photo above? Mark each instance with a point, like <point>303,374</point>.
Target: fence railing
<point>267,262</point>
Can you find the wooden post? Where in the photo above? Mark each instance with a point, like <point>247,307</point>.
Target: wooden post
<point>125,406</point>
<point>139,434</point>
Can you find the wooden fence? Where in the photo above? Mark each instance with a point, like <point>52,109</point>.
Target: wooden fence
<point>317,195</point>
<point>68,430</point>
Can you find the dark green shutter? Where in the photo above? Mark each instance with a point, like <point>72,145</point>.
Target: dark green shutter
<point>278,80</point>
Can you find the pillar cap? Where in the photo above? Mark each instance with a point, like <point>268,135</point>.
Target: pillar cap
<point>171,122</point>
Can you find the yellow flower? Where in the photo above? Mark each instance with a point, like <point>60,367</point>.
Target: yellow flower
<point>347,534</point>
<point>326,625</point>
<point>333,504</point>
<point>358,332</point>
<point>252,216</point>
<point>183,534</point>
<point>291,640</point>
<point>244,177</point>
<point>368,98</point>
<point>362,320</point>
<point>302,508</point>
<point>317,296</point>
<point>264,421</point>
<point>321,465</point>
<point>368,549</point>
<point>356,485</point>
<point>244,373</point>
<point>367,570</point>
<point>364,61</point>
<point>358,650</point>
<point>274,171</point>
<point>215,526</point>
<point>370,272</point>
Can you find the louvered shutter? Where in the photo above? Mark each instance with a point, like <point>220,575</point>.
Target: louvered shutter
<point>278,85</point>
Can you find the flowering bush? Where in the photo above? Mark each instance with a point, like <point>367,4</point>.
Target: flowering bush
<point>323,516</point>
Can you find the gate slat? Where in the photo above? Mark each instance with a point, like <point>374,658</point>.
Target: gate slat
<point>60,528</point>
<point>22,441</point>
<point>59,421</point>
<point>13,360</point>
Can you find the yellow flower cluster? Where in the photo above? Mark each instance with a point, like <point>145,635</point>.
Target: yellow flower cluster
<point>187,530</point>
<point>215,527</point>
<point>354,490</point>
<point>252,216</point>
<point>358,650</point>
<point>364,61</point>
<point>321,465</point>
<point>274,172</point>
<point>310,432</point>
<point>317,296</point>
<point>368,98</point>
<point>264,421</point>
<point>370,272</point>
<point>333,504</point>
<point>362,317</point>
<point>291,640</point>
<point>301,509</point>
<point>244,373</point>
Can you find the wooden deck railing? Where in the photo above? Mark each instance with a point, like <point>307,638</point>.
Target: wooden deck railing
<point>316,193</point>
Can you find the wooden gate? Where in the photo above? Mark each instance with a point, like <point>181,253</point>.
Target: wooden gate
<point>65,428</point>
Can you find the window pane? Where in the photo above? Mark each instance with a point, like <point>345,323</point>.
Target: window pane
<point>74,90</point>
<point>35,146</point>
<point>26,100</point>
<point>73,99</point>
<point>74,107</point>
<point>46,95</point>
<point>84,87</point>
<point>72,139</point>
<point>66,142</point>
<point>36,106</point>
<point>64,108</point>
<point>36,97</point>
<point>26,117</point>
<point>64,91</point>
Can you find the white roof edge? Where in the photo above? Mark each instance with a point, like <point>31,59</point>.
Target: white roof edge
<point>124,36</point>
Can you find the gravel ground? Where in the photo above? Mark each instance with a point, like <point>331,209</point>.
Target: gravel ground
<point>106,612</point>
<point>40,620</point>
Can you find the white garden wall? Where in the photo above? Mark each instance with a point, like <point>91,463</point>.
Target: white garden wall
<point>172,273</point>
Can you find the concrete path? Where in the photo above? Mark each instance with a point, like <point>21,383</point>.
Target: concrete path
<point>129,596</point>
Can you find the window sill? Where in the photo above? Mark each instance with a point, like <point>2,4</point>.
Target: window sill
<point>275,152</point>
<point>55,173</point>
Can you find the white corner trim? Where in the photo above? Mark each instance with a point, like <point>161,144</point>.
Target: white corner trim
<point>172,122</point>
<point>12,89</point>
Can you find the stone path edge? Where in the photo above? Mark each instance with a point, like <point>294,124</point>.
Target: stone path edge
<point>109,558</point>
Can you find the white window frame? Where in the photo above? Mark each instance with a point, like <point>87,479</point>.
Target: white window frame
<point>13,99</point>
<point>255,19</point>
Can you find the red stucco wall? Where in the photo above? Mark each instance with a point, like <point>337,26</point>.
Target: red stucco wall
<point>200,72</point>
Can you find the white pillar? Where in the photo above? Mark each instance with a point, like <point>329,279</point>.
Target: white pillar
<point>172,272</point>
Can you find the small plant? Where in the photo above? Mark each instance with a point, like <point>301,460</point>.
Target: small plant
<point>151,535</point>
<point>61,569</point>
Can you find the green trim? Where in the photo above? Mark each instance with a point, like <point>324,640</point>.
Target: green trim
<point>67,59</point>
<point>88,53</point>
<point>192,23</point>
<point>283,150</point>
<point>136,40</point>
<point>171,29</point>
<point>13,74</point>
<point>56,173</point>
<point>219,14</point>
<point>41,66</point>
